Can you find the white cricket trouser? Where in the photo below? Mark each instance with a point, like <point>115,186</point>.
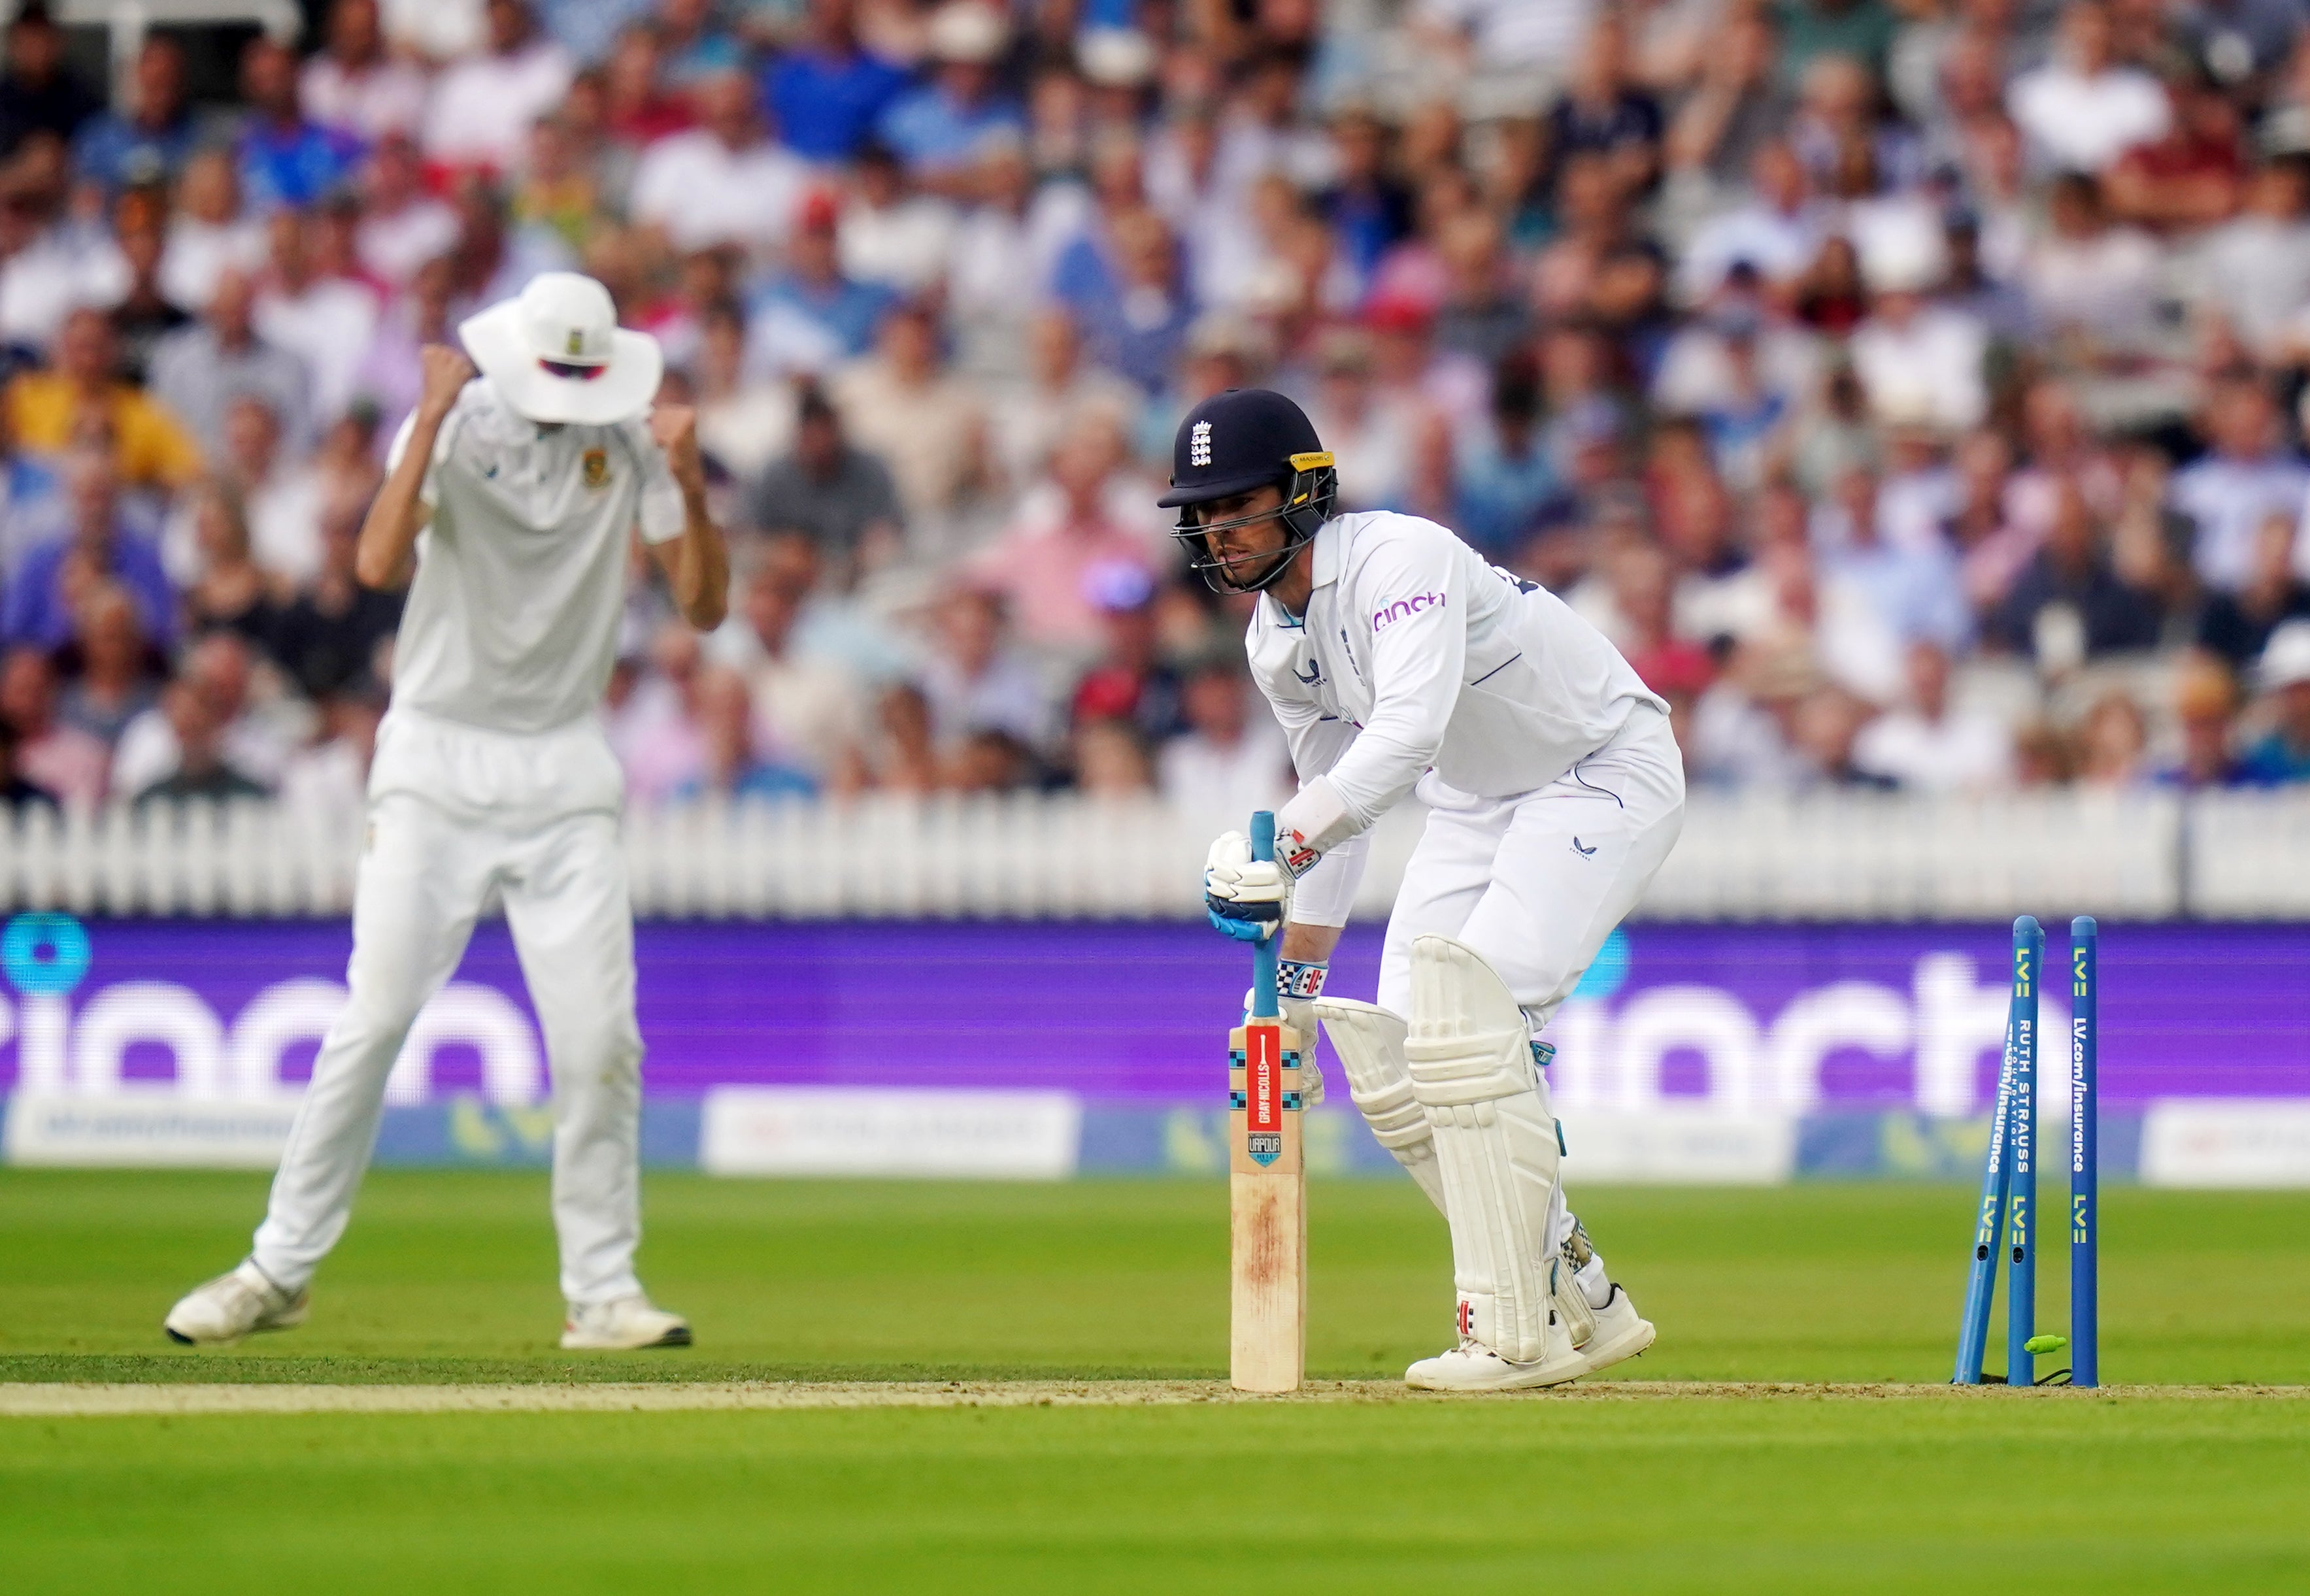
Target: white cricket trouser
<point>1535,883</point>
<point>455,812</point>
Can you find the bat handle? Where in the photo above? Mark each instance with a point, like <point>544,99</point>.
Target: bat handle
<point>1264,952</point>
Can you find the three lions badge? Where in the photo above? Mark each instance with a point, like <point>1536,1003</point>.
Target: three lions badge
<point>596,467</point>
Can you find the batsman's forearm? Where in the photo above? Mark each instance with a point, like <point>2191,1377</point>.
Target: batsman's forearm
<point>1309,944</point>
<point>389,530</point>
<point>700,574</point>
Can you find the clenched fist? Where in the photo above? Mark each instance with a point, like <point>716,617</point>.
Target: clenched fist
<point>445,372</point>
<point>674,427</point>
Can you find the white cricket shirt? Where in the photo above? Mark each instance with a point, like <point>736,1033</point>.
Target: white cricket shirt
<point>1417,655</point>
<point>512,620</point>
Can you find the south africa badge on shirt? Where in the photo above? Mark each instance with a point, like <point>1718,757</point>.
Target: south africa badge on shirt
<point>596,467</point>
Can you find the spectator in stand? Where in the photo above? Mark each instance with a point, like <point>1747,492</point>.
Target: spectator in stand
<point>2070,604</point>
<point>97,545</point>
<point>355,86</point>
<point>937,128</point>
<point>200,370</point>
<point>328,777</point>
<point>256,740</point>
<point>331,637</point>
<point>2084,108</point>
<point>890,234</point>
<point>60,757</point>
<point>837,495</point>
<point>826,90</point>
<point>82,397</point>
<point>326,322</point>
<point>15,791</point>
<point>1131,680</point>
<point>1930,745</point>
<point>483,103</point>
<point>1111,761</point>
<point>975,679</point>
<point>1136,311</point>
<point>38,93</point>
<point>229,591</point>
<point>282,495</point>
<point>110,669</point>
<point>286,161</point>
<point>724,181</point>
<point>201,770</point>
<point>145,314</point>
<point>744,422</point>
<point>1049,563</point>
<point>389,378</point>
<point>209,233</point>
<point>1505,474</point>
<point>1029,421</point>
<point>2236,627</point>
<point>808,316</point>
<point>730,765</point>
<point>151,139</point>
<point>2247,475</point>
<point>902,403</point>
<point>2257,266</point>
<point>2113,744</point>
<point>403,226</point>
<point>1231,760</point>
<point>806,707</point>
<point>2281,756</point>
<point>2205,707</point>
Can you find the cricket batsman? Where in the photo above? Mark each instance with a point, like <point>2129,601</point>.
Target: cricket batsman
<point>1399,662</point>
<point>513,494</point>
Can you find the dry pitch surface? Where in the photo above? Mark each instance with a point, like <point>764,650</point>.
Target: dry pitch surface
<point>93,1399</point>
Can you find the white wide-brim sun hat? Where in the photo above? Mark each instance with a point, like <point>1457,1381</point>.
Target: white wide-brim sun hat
<point>556,353</point>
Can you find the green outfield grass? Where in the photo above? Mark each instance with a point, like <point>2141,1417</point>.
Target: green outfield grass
<point>448,1278</point>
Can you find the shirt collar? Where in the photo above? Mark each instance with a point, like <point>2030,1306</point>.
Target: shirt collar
<point>1330,541</point>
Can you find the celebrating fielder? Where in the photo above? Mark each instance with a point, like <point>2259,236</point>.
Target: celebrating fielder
<point>1397,660</point>
<point>515,494</point>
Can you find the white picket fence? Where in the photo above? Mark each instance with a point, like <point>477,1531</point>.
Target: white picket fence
<point>1835,856</point>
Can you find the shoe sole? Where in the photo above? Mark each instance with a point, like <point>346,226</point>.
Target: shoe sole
<point>290,1320</point>
<point>679,1336</point>
<point>1634,1344</point>
<point>1537,1379</point>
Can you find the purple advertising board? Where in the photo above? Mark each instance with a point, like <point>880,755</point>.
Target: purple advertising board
<point>1742,1017</point>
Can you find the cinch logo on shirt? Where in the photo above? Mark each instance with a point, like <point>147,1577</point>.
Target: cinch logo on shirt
<point>1382,617</point>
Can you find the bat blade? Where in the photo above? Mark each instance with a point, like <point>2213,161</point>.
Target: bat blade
<point>1267,1178</point>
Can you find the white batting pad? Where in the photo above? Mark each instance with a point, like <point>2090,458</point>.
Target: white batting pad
<point>1370,1041</point>
<point>1469,1056</point>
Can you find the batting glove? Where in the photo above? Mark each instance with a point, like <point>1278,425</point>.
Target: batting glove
<point>1247,899</point>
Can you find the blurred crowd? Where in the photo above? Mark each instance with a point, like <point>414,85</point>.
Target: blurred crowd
<point>1912,390</point>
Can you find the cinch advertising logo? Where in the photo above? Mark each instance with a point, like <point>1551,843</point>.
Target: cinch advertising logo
<point>75,1037</point>
<point>1387,616</point>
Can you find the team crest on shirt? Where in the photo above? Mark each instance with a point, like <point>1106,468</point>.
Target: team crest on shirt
<point>596,467</point>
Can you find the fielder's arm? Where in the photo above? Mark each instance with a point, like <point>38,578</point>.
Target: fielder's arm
<point>387,549</point>
<point>696,562</point>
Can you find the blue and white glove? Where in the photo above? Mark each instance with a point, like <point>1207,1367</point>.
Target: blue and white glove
<point>1247,899</point>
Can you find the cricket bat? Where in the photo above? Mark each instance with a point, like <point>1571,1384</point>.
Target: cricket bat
<point>1267,1180</point>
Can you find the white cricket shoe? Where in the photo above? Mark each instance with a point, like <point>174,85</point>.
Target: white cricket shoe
<point>622,1325</point>
<point>232,1305</point>
<point>1474,1367</point>
<point>1621,1332</point>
